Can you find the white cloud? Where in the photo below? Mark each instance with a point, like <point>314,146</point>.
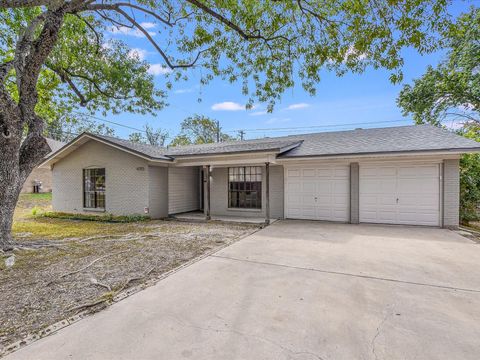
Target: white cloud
<point>127,31</point>
<point>297,106</point>
<point>228,106</point>
<point>158,69</point>
<point>138,53</point>
<point>259,113</point>
<point>354,52</point>
<point>148,25</point>
<point>275,120</point>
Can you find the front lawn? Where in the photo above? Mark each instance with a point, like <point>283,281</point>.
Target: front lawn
<point>73,266</point>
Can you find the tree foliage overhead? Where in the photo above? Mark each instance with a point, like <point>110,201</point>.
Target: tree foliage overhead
<point>451,90</point>
<point>199,129</point>
<point>53,52</point>
<point>156,137</point>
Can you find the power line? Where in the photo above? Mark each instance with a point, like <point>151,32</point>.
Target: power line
<point>108,121</point>
<point>300,128</point>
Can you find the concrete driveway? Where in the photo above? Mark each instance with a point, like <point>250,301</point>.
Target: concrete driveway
<point>298,290</point>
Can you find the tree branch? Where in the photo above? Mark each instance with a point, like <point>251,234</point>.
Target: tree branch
<point>5,4</point>
<point>133,6</point>
<point>66,79</point>
<point>155,45</point>
<point>95,33</point>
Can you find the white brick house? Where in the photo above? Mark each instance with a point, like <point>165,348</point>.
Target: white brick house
<point>398,175</point>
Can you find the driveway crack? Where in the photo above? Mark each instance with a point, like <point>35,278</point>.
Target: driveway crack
<point>245,335</point>
<point>379,330</point>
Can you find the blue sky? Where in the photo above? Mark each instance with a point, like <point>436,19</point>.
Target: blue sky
<point>359,100</point>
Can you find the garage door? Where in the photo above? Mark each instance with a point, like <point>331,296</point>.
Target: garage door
<point>317,192</point>
<point>400,194</point>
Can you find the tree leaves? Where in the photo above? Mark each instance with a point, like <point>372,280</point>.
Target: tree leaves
<point>199,129</point>
<point>450,91</point>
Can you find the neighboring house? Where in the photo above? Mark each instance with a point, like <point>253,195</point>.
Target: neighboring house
<point>42,175</point>
<point>397,175</point>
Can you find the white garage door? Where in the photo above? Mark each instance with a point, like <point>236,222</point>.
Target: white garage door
<point>317,192</point>
<point>400,194</point>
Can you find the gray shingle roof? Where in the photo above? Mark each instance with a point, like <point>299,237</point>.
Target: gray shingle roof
<point>54,145</point>
<point>266,144</point>
<point>151,151</point>
<point>352,142</point>
<point>380,140</point>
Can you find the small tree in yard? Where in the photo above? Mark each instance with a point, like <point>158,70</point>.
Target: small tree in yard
<point>53,52</point>
<point>199,129</point>
<point>156,137</point>
<point>450,92</point>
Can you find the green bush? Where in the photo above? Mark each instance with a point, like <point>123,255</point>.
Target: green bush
<point>469,187</point>
<point>36,211</point>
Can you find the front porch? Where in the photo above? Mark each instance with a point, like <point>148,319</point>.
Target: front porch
<point>200,217</point>
<point>233,189</point>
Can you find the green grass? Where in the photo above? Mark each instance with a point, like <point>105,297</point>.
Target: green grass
<point>36,197</point>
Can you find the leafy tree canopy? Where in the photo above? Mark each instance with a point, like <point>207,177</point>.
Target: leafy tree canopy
<point>451,90</point>
<point>151,136</point>
<point>84,71</point>
<point>199,129</point>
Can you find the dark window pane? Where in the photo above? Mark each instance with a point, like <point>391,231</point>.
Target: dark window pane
<point>245,187</point>
<point>94,188</point>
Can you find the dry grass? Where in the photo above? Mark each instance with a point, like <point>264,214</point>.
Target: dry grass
<point>36,292</point>
<point>28,225</point>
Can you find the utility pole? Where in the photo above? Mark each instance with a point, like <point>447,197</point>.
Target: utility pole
<point>218,131</point>
<point>241,133</point>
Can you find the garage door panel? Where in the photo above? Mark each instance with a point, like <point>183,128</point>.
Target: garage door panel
<point>340,186</point>
<point>417,186</point>
<point>324,173</point>
<point>294,187</point>
<point>370,186</point>
<point>307,200</point>
<point>323,193</point>
<point>308,173</point>
<point>324,187</point>
<point>341,200</point>
<point>308,187</point>
<point>403,194</point>
<point>293,173</point>
<point>342,172</point>
<point>428,171</point>
<point>387,216</point>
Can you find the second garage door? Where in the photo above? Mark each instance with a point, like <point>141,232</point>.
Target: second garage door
<point>318,192</point>
<point>400,194</point>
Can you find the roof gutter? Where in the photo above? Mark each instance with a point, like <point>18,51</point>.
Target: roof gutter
<point>457,151</point>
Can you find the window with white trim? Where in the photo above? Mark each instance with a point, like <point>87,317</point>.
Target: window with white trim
<point>245,187</point>
<point>94,188</point>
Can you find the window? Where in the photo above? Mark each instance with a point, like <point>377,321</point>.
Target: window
<point>94,188</point>
<point>245,187</point>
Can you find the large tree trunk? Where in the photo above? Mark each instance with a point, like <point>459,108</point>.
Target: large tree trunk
<point>17,160</point>
<point>10,185</point>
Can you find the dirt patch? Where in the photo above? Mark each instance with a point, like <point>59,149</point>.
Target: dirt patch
<point>49,284</point>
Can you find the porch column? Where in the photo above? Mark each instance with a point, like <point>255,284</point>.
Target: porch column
<point>206,172</point>
<point>267,193</point>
